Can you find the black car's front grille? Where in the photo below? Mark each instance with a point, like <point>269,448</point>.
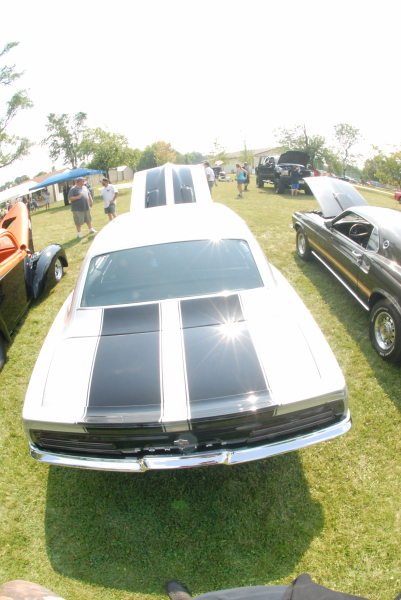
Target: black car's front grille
<point>230,432</point>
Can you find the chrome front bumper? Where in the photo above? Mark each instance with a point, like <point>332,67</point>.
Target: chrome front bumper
<point>185,461</point>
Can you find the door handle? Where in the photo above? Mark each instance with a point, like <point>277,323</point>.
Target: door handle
<point>357,255</point>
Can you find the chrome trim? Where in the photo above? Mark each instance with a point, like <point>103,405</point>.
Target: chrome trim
<point>365,306</point>
<point>233,457</point>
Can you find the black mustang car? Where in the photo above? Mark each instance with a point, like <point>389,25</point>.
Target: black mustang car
<point>361,246</point>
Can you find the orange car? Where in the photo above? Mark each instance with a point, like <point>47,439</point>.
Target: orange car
<point>24,274</point>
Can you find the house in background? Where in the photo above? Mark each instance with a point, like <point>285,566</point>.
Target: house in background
<point>236,157</point>
<point>123,173</point>
<point>56,190</point>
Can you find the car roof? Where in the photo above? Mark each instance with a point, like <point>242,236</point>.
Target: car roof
<point>170,223</point>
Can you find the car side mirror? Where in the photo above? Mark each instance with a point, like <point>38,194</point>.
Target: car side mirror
<point>329,223</point>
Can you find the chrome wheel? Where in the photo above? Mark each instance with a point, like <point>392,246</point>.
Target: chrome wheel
<point>301,244</point>
<point>384,329</point>
<point>58,270</point>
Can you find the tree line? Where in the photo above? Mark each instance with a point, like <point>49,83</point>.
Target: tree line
<point>76,145</point>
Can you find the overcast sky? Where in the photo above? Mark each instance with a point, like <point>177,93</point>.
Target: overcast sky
<point>188,72</point>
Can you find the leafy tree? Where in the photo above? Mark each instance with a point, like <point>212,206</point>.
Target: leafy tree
<point>65,137</point>
<point>298,138</point>
<point>21,179</point>
<point>331,161</point>
<point>197,158</point>
<point>104,150</point>
<point>347,137</point>
<point>40,173</point>
<point>388,168</point>
<point>147,158</point>
<point>163,153</point>
<point>247,155</point>
<point>183,159</point>
<point>12,147</point>
<point>218,152</point>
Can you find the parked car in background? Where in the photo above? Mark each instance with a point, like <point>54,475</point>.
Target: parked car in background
<point>187,348</point>
<point>277,170</point>
<point>24,274</point>
<point>397,196</point>
<point>361,246</point>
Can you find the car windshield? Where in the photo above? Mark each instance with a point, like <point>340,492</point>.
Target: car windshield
<point>176,270</point>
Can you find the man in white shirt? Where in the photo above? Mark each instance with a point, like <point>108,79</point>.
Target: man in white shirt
<point>109,194</point>
<point>209,176</point>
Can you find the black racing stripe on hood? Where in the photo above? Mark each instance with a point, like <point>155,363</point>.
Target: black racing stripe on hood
<point>126,372</point>
<point>131,319</point>
<point>221,361</point>
<point>211,311</point>
<point>184,191</point>
<point>155,192</point>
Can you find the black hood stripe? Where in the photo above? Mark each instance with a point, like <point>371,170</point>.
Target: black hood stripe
<point>126,373</point>
<point>155,190</point>
<point>211,311</point>
<point>184,190</point>
<point>124,320</point>
<point>221,362</point>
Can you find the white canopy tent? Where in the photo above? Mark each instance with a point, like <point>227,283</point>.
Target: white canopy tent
<point>18,190</point>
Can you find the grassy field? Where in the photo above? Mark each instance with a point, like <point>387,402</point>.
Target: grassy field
<point>333,510</point>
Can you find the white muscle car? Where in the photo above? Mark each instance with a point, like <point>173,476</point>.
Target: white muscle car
<point>184,346</point>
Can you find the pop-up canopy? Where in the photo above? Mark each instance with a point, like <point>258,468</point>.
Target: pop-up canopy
<point>66,176</point>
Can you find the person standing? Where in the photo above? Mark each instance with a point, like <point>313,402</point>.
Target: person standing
<point>240,179</point>
<point>210,176</point>
<point>65,195</point>
<point>81,201</point>
<point>294,181</point>
<point>46,197</point>
<point>109,194</point>
<point>248,170</point>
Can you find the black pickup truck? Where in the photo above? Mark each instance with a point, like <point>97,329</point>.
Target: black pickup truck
<point>277,170</point>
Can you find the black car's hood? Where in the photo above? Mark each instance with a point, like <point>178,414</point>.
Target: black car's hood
<point>294,157</point>
<point>334,196</point>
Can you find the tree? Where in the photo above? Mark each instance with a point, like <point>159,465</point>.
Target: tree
<point>247,155</point>
<point>163,153</point>
<point>40,173</point>
<point>347,137</point>
<point>218,152</point>
<point>21,179</point>
<point>386,169</point>
<point>65,137</point>
<point>297,138</point>
<point>104,150</point>
<point>12,147</point>
<point>147,158</point>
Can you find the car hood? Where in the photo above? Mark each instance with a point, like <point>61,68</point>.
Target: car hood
<point>180,360</point>
<point>334,196</point>
<point>295,157</point>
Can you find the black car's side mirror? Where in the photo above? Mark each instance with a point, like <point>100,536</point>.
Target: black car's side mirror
<point>329,223</point>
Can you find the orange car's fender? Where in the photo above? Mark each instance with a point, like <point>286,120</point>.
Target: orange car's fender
<point>17,222</point>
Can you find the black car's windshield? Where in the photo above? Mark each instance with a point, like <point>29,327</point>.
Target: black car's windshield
<point>175,270</point>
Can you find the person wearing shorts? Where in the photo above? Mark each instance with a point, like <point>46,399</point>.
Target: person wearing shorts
<point>46,197</point>
<point>294,181</point>
<point>81,201</point>
<point>109,194</point>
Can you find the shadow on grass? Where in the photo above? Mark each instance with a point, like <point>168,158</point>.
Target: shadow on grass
<point>212,528</point>
<point>356,320</point>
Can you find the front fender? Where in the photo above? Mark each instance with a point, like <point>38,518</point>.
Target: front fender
<point>47,258</point>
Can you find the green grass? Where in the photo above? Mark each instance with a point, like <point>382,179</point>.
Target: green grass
<point>333,510</point>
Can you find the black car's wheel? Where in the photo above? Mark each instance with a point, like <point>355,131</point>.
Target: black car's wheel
<point>303,248</point>
<point>385,330</point>
<point>308,191</point>
<point>58,270</point>
<point>2,352</point>
<point>279,187</point>
<point>259,183</point>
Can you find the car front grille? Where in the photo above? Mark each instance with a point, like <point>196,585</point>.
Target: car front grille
<point>231,432</point>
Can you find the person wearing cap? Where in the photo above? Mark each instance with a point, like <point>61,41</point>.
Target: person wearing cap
<point>109,194</point>
<point>81,201</point>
